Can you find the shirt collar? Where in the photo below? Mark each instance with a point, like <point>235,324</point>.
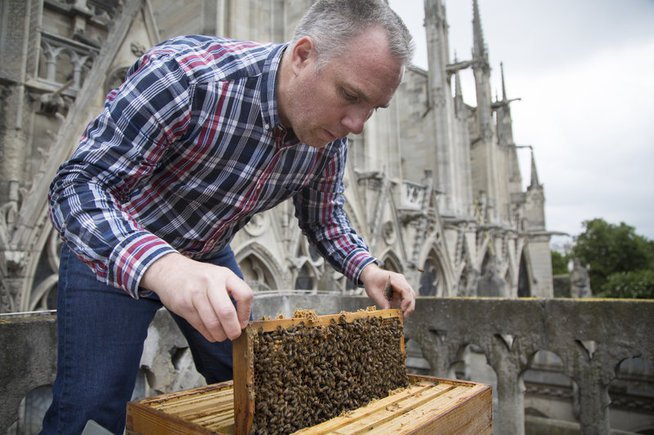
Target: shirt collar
<point>269,106</point>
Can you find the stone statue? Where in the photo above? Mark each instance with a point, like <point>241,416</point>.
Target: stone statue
<point>579,281</point>
<point>491,282</point>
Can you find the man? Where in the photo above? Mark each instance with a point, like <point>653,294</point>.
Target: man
<point>204,133</point>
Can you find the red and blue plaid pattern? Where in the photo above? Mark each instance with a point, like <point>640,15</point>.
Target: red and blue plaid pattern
<point>184,153</point>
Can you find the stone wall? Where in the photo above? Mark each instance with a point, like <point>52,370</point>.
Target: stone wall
<point>27,360</point>
<point>591,337</point>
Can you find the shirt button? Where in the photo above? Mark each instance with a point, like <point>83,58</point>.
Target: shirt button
<point>267,126</point>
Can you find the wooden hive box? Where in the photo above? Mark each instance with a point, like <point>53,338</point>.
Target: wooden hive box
<point>428,406</point>
<point>342,373</point>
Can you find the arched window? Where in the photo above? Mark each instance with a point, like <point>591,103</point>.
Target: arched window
<point>524,285</point>
<point>431,280</point>
<point>309,266</point>
<point>305,279</point>
<point>256,274</point>
<point>392,263</point>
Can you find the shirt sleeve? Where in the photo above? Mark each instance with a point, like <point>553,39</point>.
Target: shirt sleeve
<point>117,153</point>
<point>322,218</point>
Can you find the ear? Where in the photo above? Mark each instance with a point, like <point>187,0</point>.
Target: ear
<point>303,53</point>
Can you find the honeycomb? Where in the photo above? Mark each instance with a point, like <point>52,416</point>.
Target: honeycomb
<point>308,373</point>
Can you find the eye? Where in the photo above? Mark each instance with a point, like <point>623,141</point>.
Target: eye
<point>350,97</point>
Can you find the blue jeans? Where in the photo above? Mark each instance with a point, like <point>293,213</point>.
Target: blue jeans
<point>101,331</point>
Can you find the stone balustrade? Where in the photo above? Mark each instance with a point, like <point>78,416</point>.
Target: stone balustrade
<point>591,337</point>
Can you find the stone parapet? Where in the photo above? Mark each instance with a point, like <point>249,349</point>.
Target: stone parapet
<point>27,359</point>
<point>591,337</point>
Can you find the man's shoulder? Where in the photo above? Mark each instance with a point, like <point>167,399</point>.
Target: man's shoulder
<point>215,58</point>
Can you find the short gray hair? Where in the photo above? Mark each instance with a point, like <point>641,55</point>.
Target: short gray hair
<point>331,24</point>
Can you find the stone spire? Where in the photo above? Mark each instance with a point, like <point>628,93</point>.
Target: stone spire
<point>503,86</point>
<point>503,112</point>
<point>481,70</point>
<point>535,200</point>
<point>440,100</point>
<point>437,43</point>
<point>479,51</point>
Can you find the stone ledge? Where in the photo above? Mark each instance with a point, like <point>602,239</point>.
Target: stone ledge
<point>591,336</point>
<point>27,360</point>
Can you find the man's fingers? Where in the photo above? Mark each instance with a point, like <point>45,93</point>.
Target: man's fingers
<point>243,295</point>
<point>211,324</point>
<point>404,296</point>
<point>381,300</point>
<point>387,288</point>
<point>408,302</point>
<point>383,303</point>
<point>226,312</point>
<point>197,324</point>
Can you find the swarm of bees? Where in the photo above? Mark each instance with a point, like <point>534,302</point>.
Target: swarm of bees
<point>305,375</point>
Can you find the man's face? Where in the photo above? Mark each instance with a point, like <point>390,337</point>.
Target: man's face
<point>322,105</point>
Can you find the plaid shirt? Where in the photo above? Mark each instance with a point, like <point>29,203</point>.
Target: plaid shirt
<point>184,153</point>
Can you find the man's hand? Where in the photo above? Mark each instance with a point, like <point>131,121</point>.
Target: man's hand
<point>199,293</point>
<point>375,281</point>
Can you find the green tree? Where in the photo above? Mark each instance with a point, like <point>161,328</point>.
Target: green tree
<point>608,249</point>
<point>559,263</point>
<point>635,284</point>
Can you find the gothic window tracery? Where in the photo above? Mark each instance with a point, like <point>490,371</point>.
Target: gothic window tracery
<point>431,282</point>
<point>306,279</point>
<point>390,263</point>
<point>309,266</point>
<point>62,61</point>
<point>256,274</point>
<point>524,286</point>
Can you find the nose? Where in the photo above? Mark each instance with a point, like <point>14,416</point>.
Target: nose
<point>355,118</point>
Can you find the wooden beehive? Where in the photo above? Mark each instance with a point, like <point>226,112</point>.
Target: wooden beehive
<point>341,373</point>
<point>428,406</point>
<point>290,373</point>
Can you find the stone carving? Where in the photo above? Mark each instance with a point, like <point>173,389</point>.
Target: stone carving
<point>92,41</point>
<point>491,282</point>
<point>63,55</point>
<point>413,195</point>
<point>103,18</point>
<point>579,281</point>
<point>166,359</point>
<point>481,208</point>
<point>137,49</point>
<point>53,103</point>
<point>8,218</point>
<point>256,273</point>
<point>8,214</point>
<point>257,225</point>
<point>430,279</point>
<point>388,233</point>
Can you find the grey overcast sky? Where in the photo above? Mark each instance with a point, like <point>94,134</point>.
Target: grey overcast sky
<point>584,70</point>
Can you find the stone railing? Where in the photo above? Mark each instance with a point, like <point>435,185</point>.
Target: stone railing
<point>591,338</point>
<point>27,360</point>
